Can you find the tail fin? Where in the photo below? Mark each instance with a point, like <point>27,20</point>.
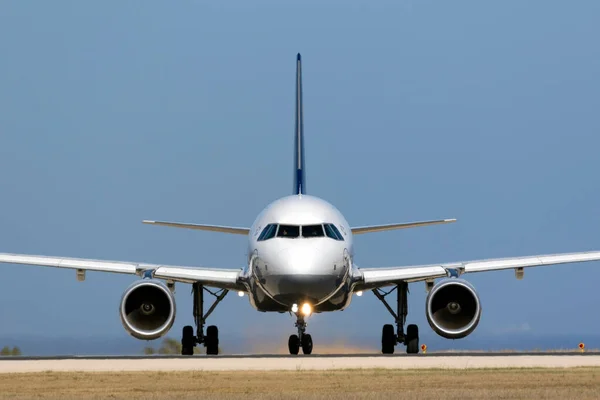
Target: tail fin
<point>299,170</point>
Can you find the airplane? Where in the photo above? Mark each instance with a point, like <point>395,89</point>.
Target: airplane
<point>300,261</point>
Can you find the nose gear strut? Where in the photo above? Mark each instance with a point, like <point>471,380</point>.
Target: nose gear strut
<point>302,339</point>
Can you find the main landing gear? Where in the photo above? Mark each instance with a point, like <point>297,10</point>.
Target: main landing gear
<point>301,340</point>
<point>389,338</point>
<point>211,339</point>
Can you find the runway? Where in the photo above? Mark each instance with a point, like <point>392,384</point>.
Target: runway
<point>296,363</point>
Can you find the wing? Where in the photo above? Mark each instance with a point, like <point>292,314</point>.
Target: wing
<point>217,277</point>
<point>213,228</point>
<point>379,228</point>
<point>370,278</point>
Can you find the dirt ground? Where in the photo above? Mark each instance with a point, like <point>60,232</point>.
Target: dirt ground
<point>572,383</point>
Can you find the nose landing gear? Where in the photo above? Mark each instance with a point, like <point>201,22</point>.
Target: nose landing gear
<point>301,340</point>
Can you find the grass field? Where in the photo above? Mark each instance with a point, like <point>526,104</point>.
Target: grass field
<point>573,383</point>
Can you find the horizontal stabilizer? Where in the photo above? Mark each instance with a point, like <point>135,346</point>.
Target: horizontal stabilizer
<point>390,227</point>
<point>214,228</point>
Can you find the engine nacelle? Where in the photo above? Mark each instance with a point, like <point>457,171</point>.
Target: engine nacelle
<point>453,309</point>
<point>147,309</point>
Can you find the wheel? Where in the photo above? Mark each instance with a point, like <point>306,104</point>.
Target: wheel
<point>212,340</point>
<point>294,344</point>
<point>187,341</point>
<point>388,339</point>
<point>307,344</point>
<point>412,339</point>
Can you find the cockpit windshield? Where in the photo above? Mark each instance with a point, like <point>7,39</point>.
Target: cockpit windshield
<point>288,231</point>
<point>294,231</point>
<point>311,231</point>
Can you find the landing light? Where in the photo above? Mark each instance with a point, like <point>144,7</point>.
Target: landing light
<point>295,308</point>
<point>306,309</point>
<point>359,293</point>
<point>241,294</point>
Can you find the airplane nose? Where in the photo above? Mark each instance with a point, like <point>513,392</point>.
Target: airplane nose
<point>302,273</point>
<point>299,260</point>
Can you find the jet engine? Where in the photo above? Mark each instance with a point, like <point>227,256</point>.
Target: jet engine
<point>453,309</point>
<point>147,309</point>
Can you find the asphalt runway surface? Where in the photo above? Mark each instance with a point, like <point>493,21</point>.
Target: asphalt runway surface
<point>300,362</point>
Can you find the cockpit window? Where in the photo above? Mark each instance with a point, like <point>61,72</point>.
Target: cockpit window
<point>288,231</point>
<point>268,232</point>
<point>293,231</point>
<point>337,232</point>
<point>333,232</point>
<point>311,231</point>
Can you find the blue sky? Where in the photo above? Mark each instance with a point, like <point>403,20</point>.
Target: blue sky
<point>115,112</point>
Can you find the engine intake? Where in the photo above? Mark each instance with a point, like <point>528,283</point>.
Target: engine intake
<point>147,309</point>
<point>453,309</point>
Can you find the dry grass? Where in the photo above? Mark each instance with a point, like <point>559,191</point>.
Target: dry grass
<point>535,350</point>
<point>579,383</point>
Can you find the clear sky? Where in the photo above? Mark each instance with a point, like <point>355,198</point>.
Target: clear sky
<point>115,112</point>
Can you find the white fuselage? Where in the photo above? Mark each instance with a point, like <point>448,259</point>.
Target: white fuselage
<point>300,250</point>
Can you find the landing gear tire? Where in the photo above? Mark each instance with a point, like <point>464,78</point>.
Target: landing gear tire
<point>212,340</point>
<point>187,341</point>
<point>294,344</point>
<point>412,339</point>
<point>307,344</point>
<point>388,339</point>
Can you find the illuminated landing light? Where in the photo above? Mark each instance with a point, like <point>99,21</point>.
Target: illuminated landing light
<point>241,294</point>
<point>306,309</point>
<point>295,308</point>
<point>359,293</point>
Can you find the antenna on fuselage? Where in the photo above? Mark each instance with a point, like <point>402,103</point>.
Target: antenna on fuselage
<point>299,168</point>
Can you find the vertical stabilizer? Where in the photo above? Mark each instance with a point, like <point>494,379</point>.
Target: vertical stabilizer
<point>299,170</point>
